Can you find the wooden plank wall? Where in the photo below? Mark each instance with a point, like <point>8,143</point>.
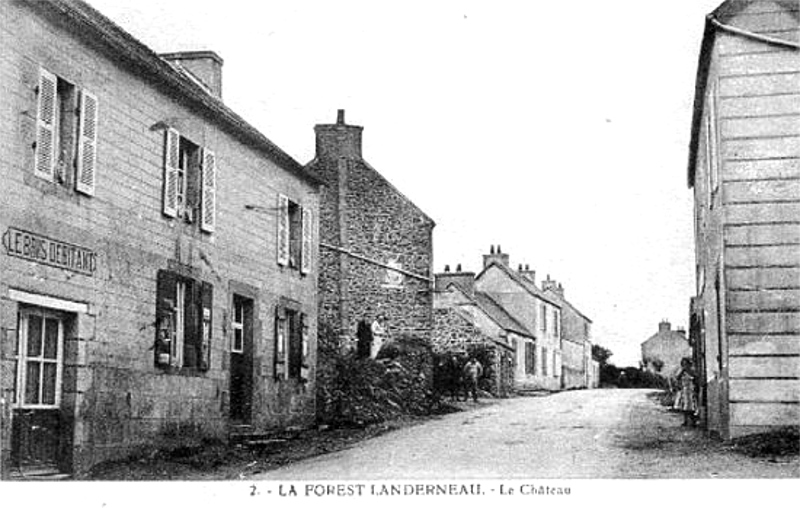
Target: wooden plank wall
<point>759,129</point>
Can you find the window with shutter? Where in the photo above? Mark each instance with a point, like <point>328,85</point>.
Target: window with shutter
<point>46,128</point>
<point>183,322</point>
<point>283,230</point>
<point>87,144</point>
<point>171,165</point>
<point>208,202</point>
<point>307,250</point>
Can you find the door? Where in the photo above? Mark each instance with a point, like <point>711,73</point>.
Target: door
<point>36,428</point>
<point>241,382</point>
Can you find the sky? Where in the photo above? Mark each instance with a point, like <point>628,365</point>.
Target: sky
<point>557,130</point>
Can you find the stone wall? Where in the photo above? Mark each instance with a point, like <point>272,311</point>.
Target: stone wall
<point>115,400</point>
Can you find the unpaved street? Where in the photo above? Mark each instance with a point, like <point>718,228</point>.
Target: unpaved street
<point>578,434</point>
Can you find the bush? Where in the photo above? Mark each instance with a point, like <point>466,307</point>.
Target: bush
<point>362,391</point>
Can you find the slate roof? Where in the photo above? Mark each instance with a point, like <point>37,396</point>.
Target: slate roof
<point>499,315</point>
<point>521,281</point>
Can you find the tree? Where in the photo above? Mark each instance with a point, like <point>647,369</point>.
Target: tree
<point>601,354</point>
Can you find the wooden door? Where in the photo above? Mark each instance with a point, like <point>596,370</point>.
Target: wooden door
<point>36,428</point>
<point>241,381</point>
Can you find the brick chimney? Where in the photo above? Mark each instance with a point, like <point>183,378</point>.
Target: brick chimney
<point>339,140</point>
<point>550,284</point>
<point>464,280</point>
<point>204,66</point>
<point>664,326</point>
<point>495,255</point>
<point>526,272</point>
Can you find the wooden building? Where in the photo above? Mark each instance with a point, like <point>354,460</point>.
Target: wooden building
<point>744,169</point>
<point>159,263</point>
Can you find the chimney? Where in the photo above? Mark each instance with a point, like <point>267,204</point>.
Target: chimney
<point>464,280</point>
<point>529,274</point>
<point>338,141</point>
<point>495,255</point>
<point>664,326</point>
<point>205,67</point>
<point>552,285</point>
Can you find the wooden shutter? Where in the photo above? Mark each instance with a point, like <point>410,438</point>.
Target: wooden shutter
<point>283,230</point>
<point>279,352</point>
<point>171,161</point>
<point>87,144</point>
<point>208,202</point>
<point>307,251</point>
<point>304,347</point>
<point>192,326</point>
<point>46,129</point>
<point>206,318</point>
<point>166,284</point>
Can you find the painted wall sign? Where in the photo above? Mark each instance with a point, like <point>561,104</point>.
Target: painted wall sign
<point>393,278</point>
<point>41,249</point>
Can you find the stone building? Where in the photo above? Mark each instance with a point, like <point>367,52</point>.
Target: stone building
<point>663,351</point>
<point>160,255</point>
<point>576,344</point>
<point>376,249</point>
<point>538,313</point>
<point>467,321</point>
<point>744,170</point>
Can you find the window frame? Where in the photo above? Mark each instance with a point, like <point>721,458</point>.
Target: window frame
<point>22,359</point>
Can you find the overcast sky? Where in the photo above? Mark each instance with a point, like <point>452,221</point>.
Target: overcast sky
<point>558,130</point>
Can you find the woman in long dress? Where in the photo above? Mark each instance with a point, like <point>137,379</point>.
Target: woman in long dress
<point>686,401</point>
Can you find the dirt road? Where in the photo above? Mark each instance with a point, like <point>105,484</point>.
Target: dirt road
<point>578,434</point>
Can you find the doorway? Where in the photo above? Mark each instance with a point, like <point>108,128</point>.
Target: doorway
<point>36,435</point>
<point>241,381</point>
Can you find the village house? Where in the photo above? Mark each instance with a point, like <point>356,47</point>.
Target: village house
<point>470,323</point>
<point>744,170</point>
<point>663,351</point>
<point>376,253</point>
<point>539,367</point>
<point>160,255</point>
<point>577,370</point>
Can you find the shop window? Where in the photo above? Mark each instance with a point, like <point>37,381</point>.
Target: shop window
<point>190,174</point>
<point>66,134</point>
<point>183,322</point>
<point>294,245</point>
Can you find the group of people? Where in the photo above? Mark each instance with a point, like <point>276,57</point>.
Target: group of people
<point>456,379</point>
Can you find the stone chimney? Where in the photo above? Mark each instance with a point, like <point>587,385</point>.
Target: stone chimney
<point>495,255</point>
<point>338,141</point>
<point>664,326</point>
<point>464,280</point>
<point>204,66</point>
<point>526,272</point>
<point>550,284</point>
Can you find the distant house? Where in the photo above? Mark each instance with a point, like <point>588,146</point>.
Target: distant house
<point>376,250</point>
<point>468,321</point>
<point>539,366</point>
<point>744,169</point>
<point>663,351</point>
<point>576,345</point>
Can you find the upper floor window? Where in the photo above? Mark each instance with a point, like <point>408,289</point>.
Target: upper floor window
<point>66,133</point>
<point>555,321</point>
<point>543,313</point>
<point>294,235</point>
<point>190,174</point>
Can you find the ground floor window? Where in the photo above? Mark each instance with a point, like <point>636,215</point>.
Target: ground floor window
<point>183,322</point>
<point>38,351</point>
<point>291,342</point>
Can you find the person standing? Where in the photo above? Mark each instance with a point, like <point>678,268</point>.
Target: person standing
<point>472,373</point>
<point>378,329</point>
<point>686,401</point>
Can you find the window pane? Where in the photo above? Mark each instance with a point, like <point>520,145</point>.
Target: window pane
<point>238,340</point>
<point>50,338</point>
<point>238,313</point>
<point>32,383</point>
<point>34,335</point>
<point>49,384</point>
